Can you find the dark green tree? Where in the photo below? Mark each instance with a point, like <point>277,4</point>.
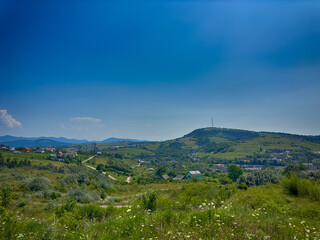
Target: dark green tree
<point>160,171</point>
<point>234,172</point>
<point>5,195</point>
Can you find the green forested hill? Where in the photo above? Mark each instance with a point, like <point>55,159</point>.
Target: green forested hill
<point>203,148</point>
<point>233,143</point>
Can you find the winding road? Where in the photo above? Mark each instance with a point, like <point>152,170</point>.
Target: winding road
<point>113,178</point>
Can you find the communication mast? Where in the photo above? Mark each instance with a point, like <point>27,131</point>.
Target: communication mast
<point>212,122</point>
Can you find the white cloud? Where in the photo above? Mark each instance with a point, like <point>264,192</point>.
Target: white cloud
<point>7,120</point>
<point>90,119</point>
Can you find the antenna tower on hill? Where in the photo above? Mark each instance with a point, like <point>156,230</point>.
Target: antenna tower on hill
<point>212,122</point>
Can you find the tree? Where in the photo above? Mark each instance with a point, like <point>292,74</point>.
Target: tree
<point>234,172</point>
<point>160,171</point>
<point>100,167</point>
<point>5,195</point>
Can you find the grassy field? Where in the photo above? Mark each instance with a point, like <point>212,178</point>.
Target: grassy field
<point>75,202</point>
<point>59,200</point>
<point>167,211</point>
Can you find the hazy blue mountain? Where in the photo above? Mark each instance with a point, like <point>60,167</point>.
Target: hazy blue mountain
<point>112,139</point>
<point>34,143</point>
<point>65,140</point>
<point>53,141</point>
<point>9,138</point>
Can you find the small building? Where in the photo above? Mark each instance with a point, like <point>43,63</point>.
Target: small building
<point>143,163</point>
<point>194,174</point>
<point>221,167</point>
<point>71,154</point>
<point>99,153</point>
<point>40,150</point>
<point>50,149</point>
<point>53,155</point>
<point>165,176</point>
<point>252,168</point>
<point>26,150</point>
<point>178,177</point>
<point>310,166</point>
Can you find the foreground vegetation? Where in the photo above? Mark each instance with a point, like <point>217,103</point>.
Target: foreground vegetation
<point>74,202</point>
<point>121,192</point>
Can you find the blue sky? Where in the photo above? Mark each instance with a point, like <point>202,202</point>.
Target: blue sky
<point>157,70</point>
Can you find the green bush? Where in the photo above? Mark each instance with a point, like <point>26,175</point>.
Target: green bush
<point>303,188</point>
<point>243,186</point>
<point>8,224</point>
<point>5,195</point>
<point>83,195</point>
<point>93,212</point>
<point>149,201</point>
<point>67,207</point>
<point>76,178</point>
<point>70,220</point>
<point>256,178</point>
<point>37,183</point>
<point>291,184</point>
<point>21,203</point>
<point>225,180</point>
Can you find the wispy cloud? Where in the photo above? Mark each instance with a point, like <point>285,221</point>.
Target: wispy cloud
<point>7,120</point>
<point>89,119</point>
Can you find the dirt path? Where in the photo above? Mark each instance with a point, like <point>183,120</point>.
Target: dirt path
<point>113,178</point>
<point>88,159</point>
<point>109,176</point>
<point>90,167</point>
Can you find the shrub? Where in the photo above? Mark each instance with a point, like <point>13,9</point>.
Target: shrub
<point>291,184</point>
<point>303,188</point>
<point>93,212</point>
<point>243,186</point>
<point>83,195</point>
<point>292,168</point>
<point>8,224</point>
<point>37,183</point>
<point>71,220</point>
<point>54,195</point>
<point>263,176</point>
<point>76,178</point>
<point>149,201</point>
<point>104,183</point>
<point>5,195</point>
<point>51,205</point>
<point>69,206</point>
<point>21,203</point>
<point>225,180</point>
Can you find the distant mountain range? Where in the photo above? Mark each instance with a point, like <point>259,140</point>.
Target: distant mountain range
<point>13,141</point>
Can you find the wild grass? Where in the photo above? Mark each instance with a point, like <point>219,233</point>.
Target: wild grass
<point>196,211</point>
